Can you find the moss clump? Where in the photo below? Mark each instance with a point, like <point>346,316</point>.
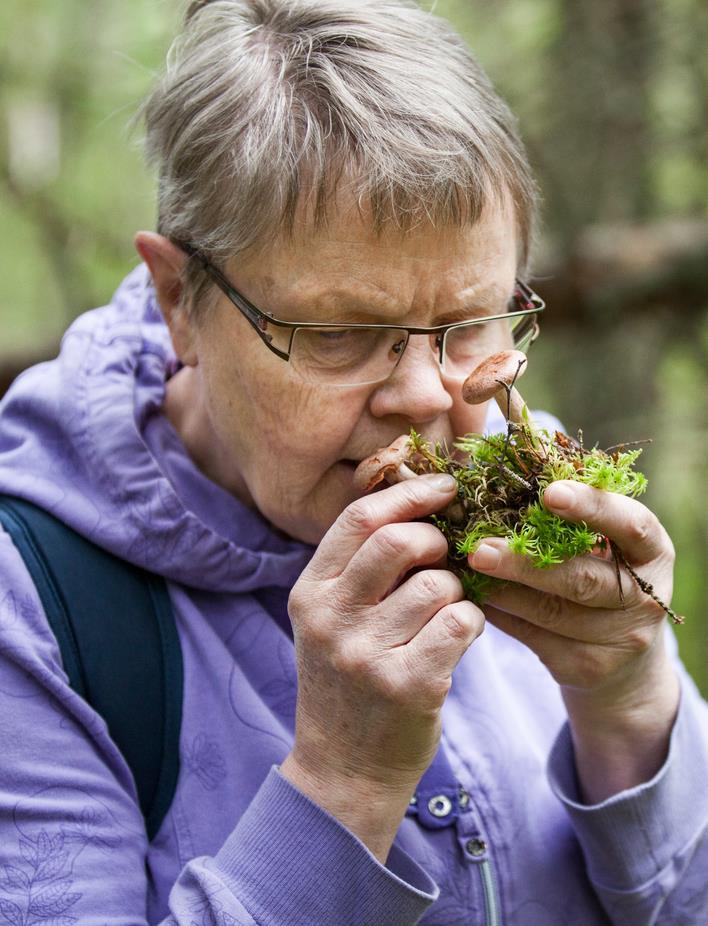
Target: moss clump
<point>500,481</point>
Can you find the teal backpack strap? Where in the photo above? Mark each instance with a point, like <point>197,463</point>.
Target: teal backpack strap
<point>119,644</point>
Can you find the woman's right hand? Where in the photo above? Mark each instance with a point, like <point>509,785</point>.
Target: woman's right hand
<point>376,646</point>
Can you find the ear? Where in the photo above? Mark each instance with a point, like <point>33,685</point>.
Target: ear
<point>166,262</point>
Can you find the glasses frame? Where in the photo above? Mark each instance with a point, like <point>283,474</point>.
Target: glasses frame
<point>259,320</point>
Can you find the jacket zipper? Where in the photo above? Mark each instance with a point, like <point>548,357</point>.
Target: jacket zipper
<point>491,900</point>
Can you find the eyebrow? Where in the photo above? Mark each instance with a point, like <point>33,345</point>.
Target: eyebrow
<point>342,307</point>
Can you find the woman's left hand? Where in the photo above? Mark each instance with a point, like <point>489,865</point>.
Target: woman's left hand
<point>617,680</point>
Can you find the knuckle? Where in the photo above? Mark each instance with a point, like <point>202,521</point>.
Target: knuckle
<point>438,584</point>
<point>584,583</point>
<point>391,541</point>
<point>460,623</point>
<point>554,610</point>
<point>393,687</point>
<point>350,662</point>
<point>418,692</point>
<point>641,528</point>
<point>314,634</point>
<point>429,583</point>
<point>358,518</point>
<point>408,685</point>
<point>638,639</point>
<point>298,602</point>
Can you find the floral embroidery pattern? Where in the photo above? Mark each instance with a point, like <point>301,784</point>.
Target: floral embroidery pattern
<point>204,759</point>
<point>12,607</point>
<point>40,890</point>
<point>208,910</point>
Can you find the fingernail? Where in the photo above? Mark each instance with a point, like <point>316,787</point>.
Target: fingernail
<point>441,481</point>
<point>485,557</point>
<point>559,496</point>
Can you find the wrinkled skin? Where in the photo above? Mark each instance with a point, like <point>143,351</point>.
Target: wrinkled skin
<point>610,660</point>
<point>376,642</point>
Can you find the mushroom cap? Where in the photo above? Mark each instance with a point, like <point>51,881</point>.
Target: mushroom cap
<point>485,380</point>
<point>374,468</point>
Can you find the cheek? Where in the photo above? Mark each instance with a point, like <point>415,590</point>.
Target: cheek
<point>307,432</point>
<point>285,440</point>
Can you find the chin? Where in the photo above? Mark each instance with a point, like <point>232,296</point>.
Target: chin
<point>333,494</point>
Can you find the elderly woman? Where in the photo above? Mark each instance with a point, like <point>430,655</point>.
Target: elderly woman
<point>343,205</point>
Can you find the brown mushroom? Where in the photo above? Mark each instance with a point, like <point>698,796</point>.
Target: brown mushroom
<point>387,463</point>
<point>493,379</point>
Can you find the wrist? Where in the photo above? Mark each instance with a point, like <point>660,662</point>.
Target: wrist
<point>621,731</point>
<point>370,808</point>
<point>642,695</point>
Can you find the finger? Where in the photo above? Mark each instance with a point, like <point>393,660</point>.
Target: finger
<point>572,662</point>
<point>415,602</point>
<point>633,527</point>
<point>443,640</point>
<point>567,619</point>
<point>386,556</point>
<point>586,580</point>
<point>551,648</point>
<point>405,501</point>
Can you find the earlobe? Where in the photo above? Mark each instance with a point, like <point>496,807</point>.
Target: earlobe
<point>166,262</point>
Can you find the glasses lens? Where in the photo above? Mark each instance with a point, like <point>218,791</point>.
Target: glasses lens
<point>466,346</point>
<point>346,356</point>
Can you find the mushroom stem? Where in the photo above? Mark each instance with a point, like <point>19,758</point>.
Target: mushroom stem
<point>494,378</point>
<point>511,403</point>
<point>400,474</point>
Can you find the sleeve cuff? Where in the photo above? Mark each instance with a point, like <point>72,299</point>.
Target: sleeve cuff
<point>632,836</point>
<point>290,862</point>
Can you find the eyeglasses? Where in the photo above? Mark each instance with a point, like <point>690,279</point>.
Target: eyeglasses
<point>358,355</point>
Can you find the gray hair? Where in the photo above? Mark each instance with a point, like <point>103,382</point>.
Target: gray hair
<point>266,106</point>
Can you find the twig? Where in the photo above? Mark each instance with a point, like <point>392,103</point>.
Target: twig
<point>645,586</point>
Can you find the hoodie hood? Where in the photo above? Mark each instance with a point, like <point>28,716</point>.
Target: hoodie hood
<point>83,436</point>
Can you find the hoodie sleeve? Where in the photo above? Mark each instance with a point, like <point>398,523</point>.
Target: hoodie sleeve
<point>73,846</point>
<point>646,849</point>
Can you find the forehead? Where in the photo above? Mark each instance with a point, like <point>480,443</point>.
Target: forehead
<point>346,268</point>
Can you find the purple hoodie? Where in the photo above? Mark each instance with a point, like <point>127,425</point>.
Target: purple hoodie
<point>495,833</point>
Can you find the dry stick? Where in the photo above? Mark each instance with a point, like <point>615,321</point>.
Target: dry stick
<point>629,443</point>
<point>616,561</point>
<point>645,586</point>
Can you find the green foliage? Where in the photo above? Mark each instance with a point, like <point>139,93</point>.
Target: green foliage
<point>67,237</point>
<point>501,480</point>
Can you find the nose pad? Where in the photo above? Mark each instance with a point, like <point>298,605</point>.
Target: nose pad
<point>415,345</point>
<point>398,348</point>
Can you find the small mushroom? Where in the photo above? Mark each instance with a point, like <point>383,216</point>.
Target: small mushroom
<point>387,463</point>
<point>493,379</point>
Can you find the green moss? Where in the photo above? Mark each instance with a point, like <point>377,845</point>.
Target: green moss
<point>501,480</point>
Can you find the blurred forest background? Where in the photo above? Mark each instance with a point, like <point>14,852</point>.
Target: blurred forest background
<point>612,97</point>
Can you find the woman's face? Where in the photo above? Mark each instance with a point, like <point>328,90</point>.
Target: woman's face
<point>291,448</point>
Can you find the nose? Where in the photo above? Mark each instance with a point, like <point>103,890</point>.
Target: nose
<point>415,389</point>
